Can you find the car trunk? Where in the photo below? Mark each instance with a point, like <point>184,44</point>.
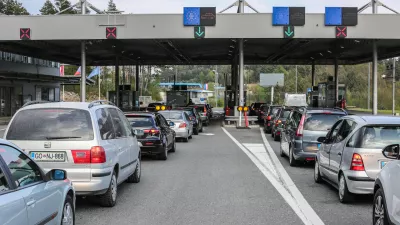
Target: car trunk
<point>177,124</point>
<point>310,143</point>
<point>145,134</point>
<point>75,172</point>
<point>372,159</point>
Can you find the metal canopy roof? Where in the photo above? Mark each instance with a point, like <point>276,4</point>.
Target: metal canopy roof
<point>163,40</point>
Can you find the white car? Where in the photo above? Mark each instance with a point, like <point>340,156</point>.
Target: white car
<point>386,205</point>
<point>93,142</point>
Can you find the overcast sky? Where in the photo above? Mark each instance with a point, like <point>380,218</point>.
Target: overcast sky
<point>176,6</point>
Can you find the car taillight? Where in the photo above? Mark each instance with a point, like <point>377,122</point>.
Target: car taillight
<point>268,117</point>
<point>96,154</point>
<point>278,122</point>
<point>357,163</point>
<point>152,132</point>
<point>205,109</point>
<point>299,132</point>
<point>182,125</point>
<point>327,112</point>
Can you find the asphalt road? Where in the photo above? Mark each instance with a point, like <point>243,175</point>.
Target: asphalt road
<point>2,130</point>
<point>207,181</point>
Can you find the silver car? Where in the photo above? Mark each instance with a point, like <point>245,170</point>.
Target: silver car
<point>93,142</point>
<point>350,156</point>
<point>386,190</point>
<point>181,123</point>
<point>28,195</point>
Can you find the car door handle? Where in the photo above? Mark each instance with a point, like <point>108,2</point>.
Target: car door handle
<point>31,202</point>
<point>339,154</point>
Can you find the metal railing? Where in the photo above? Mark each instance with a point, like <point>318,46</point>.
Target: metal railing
<point>11,57</point>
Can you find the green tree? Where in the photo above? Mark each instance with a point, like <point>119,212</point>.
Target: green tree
<point>112,6</point>
<point>12,7</point>
<point>48,8</point>
<point>65,4</point>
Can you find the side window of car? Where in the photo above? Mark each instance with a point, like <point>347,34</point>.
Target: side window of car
<point>163,122</point>
<point>105,124</point>
<point>3,182</point>
<point>289,120</point>
<point>158,122</point>
<point>119,128</point>
<point>347,127</point>
<point>296,119</point>
<point>125,123</point>
<point>335,130</point>
<point>186,116</point>
<point>23,170</point>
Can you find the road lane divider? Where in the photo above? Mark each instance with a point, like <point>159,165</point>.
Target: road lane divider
<point>273,170</point>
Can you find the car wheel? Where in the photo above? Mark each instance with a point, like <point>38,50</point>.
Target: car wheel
<point>292,160</point>
<point>164,154</point>
<point>191,136</point>
<point>272,134</point>
<point>196,131</point>
<point>379,212</point>
<point>109,199</point>
<point>68,215</point>
<point>317,173</point>
<point>186,139</point>
<point>135,177</point>
<point>268,131</point>
<point>173,149</point>
<point>276,137</point>
<point>344,194</point>
<point>201,130</point>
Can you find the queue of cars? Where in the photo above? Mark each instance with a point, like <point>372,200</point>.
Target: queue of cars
<point>355,154</point>
<point>54,152</point>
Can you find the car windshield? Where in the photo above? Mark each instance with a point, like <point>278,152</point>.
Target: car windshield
<point>172,115</point>
<point>320,121</point>
<point>51,124</point>
<point>140,121</point>
<point>376,137</point>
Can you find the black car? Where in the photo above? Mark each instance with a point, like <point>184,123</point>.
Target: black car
<point>279,122</point>
<point>269,118</point>
<point>204,113</point>
<point>158,138</point>
<point>194,117</point>
<point>255,109</point>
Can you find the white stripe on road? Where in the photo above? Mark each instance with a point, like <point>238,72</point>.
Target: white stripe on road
<point>3,129</point>
<point>279,178</point>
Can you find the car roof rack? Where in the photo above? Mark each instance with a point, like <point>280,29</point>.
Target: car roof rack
<point>100,102</point>
<point>35,102</point>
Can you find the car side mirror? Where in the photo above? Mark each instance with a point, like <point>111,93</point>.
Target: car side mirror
<point>138,132</point>
<point>321,139</point>
<point>391,151</point>
<point>57,174</point>
<point>171,124</point>
<point>140,144</point>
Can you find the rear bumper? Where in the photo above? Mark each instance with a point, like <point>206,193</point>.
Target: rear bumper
<point>152,150</point>
<point>181,133</point>
<point>301,155</point>
<point>359,183</point>
<point>98,184</point>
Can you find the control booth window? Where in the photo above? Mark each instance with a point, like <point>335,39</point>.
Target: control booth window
<point>47,94</point>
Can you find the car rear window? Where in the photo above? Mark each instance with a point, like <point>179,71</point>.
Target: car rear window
<point>172,115</point>
<point>190,112</point>
<point>273,109</point>
<point>140,121</point>
<point>375,137</point>
<point>320,121</point>
<point>285,114</point>
<point>257,105</point>
<point>51,124</point>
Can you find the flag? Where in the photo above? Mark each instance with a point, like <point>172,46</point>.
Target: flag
<point>205,86</point>
<point>62,71</point>
<point>95,72</point>
<point>78,72</point>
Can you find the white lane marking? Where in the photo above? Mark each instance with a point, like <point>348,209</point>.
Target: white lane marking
<point>259,151</point>
<point>3,129</point>
<point>285,187</point>
<point>305,206</point>
<point>206,134</point>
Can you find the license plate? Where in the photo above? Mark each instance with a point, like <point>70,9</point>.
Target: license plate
<point>383,163</point>
<point>48,156</point>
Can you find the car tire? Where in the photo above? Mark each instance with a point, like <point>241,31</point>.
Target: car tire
<point>267,131</point>
<point>381,213</point>
<point>196,131</point>
<point>173,149</point>
<point>191,136</point>
<point>135,177</point>
<point>109,199</point>
<point>317,173</point>
<point>201,130</point>
<point>272,134</point>
<point>292,160</point>
<point>164,154</point>
<point>186,139</point>
<point>276,137</point>
<point>344,194</point>
<point>68,215</point>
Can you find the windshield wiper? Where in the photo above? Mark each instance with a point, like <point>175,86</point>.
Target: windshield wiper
<point>56,138</point>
